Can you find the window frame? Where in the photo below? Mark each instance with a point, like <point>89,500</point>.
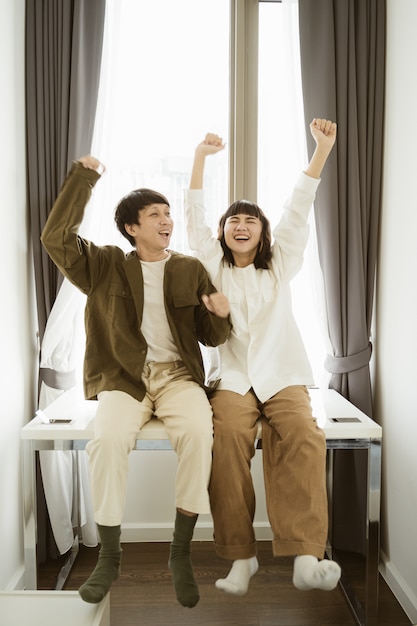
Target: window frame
<point>243,123</point>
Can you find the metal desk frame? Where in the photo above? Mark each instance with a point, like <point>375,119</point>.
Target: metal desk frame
<point>345,426</point>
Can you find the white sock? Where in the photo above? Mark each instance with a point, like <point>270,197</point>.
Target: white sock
<point>237,581</point>
<point>310,573</point>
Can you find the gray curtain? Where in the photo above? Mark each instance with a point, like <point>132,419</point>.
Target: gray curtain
<point>342,48</point>
<point>63,58</point>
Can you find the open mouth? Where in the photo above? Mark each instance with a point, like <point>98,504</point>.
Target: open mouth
<point>241,238</point>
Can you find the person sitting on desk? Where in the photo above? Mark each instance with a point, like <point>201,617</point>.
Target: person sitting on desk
<point>264,371</point>
<point>145,315</point>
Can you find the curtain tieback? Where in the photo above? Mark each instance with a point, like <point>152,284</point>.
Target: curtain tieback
<point>345,364</point>
<point>58,380</point>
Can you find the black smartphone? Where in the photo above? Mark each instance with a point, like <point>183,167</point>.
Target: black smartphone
<point>60,421</point>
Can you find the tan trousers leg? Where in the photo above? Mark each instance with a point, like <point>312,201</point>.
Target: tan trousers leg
<point>182,405</point>
<point>294,461</point>
<point>232,496</point>
<point>294,452</point>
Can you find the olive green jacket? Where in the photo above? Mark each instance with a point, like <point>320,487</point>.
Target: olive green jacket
<point>112,280</point>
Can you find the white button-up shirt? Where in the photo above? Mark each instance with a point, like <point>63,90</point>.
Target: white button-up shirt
<point>265,351</point>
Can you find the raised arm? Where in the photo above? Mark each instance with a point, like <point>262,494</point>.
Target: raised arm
<point>60,234</point>
<point>211,144</point>
<point>324,134</point>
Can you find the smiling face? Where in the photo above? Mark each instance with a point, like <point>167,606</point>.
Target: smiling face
<point>153,231</point>
<point>242,235</point>
<point>245,235</point>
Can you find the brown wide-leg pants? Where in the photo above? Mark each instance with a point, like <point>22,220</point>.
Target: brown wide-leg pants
<point>294,464</point>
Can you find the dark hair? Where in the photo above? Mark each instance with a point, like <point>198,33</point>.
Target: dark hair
<point>127,211</point>
<point>263,255</point>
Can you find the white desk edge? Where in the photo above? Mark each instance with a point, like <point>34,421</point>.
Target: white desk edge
<point>327,404</point>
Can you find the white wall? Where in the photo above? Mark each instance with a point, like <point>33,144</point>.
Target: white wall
<point>395,338</point>
<point>17,333</point>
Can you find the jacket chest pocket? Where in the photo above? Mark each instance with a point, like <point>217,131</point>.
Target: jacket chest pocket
<point>183,311</point>
<point>120,307</point>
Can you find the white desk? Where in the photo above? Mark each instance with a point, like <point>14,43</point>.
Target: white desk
<point>345,427</point>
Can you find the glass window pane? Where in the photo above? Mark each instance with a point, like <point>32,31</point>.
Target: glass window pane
<point>164,84</point>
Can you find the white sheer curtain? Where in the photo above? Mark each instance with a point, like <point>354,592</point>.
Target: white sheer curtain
<point>282,155</point>
<point>61,353</point>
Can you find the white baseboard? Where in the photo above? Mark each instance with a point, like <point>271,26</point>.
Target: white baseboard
<point>405,596</point>
<point>133,533</point>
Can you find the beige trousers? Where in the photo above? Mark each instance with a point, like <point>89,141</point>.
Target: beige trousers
<point>182,405</point>
<point>294,463</point>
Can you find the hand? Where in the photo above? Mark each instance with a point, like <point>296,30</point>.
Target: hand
<point>210,145</point>
<point>324,132</point>
<point>217,303</point>
<point>91,163</point>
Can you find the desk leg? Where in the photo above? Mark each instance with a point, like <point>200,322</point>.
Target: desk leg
<point>29,513</point>
<point>373,532</point>
<point>350,595</point>
<point>329,472</point>
<point>66,568</point>
<point>364,615</point>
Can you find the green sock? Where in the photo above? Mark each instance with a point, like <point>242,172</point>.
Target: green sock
<point>108,566</point>
<point>180,564</point>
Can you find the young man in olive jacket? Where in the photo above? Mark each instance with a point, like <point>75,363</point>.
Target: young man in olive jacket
<point>146,311</point>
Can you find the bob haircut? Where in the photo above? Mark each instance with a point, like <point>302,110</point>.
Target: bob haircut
<point>127,211</point>
<point>263,255</point>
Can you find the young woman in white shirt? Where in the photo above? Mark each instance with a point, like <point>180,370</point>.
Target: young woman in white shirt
<point>264,370</point>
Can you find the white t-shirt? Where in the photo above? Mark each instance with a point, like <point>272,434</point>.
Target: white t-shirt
<point>155,327</point>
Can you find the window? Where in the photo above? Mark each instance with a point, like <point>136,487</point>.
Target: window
<point>167,79</point>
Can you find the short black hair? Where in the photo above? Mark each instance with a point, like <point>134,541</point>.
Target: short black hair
<point>127,211</point>
<point>263,254</point>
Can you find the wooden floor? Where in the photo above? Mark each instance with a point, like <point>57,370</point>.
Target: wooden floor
<point>144,595</point>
